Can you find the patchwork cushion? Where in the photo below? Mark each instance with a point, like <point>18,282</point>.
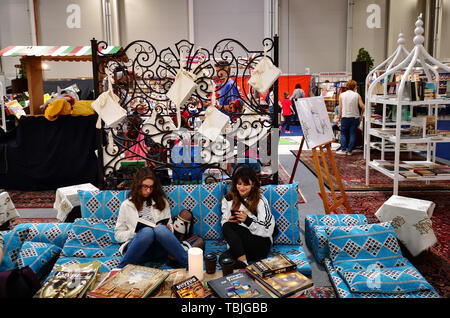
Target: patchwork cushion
<point>101,204</point>
<point>330,220</point>
<point>91,238</point>
<point>38,256</point>
<point>52,233</point>
<point>385,280</point>
<point>204,201</point>
<point>283,200</point>
<point>363,245</point>
<point>343,290</point>
<point>13,241</point>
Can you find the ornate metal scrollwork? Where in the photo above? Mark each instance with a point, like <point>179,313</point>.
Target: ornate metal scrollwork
<point>143,76</point>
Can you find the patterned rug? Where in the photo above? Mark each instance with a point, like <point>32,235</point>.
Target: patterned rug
<point>319,292</point>
<point>32,199</point>
<point>352,170</point>
<point>435,264</point>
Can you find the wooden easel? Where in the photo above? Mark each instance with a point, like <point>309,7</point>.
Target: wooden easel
<point>317,163</point>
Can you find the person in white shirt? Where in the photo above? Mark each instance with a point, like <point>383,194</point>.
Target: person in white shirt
<point>350,117</point>
<point>247,221</point>
<point>145,243</point>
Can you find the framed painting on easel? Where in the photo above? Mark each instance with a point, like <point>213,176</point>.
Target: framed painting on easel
<point>318,134</point>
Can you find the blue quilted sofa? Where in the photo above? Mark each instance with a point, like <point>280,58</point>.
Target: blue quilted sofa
<point>92,236</point>
<point>363,260</point>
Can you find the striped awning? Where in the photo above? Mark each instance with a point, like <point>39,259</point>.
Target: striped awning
<point>54,50</point>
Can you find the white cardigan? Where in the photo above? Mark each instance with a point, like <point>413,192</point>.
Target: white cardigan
<point>128,219</point>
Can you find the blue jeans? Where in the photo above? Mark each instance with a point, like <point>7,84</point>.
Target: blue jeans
<point>153,244</point>
<point>349,126</point>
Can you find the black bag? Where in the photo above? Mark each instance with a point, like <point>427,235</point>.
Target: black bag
<point>19,283</point>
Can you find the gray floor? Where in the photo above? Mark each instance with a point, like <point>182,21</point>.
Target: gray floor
<point>309,186</point>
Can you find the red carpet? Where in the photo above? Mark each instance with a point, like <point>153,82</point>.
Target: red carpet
<point>352,170</point>
<point>32,199</point>
<point>435,264</point>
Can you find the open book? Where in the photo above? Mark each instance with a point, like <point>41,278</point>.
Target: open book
<point>143,223</point>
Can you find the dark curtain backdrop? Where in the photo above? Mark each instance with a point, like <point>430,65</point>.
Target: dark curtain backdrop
<point>43,155</point>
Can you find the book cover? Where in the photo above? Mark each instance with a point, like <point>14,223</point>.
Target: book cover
<point>283,284</point>
<point>237,285</point>
<point>424,172</point>
<point>15,108</point>
<point>274,265</point>
<point>190,288</point>
<point>133,281</point>
<point>70,281</point>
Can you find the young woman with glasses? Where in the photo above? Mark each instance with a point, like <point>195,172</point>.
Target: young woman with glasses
<point>144,243</point>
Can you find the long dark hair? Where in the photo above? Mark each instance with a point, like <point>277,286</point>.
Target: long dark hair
<point>157,194</point>
<point>246,174</point>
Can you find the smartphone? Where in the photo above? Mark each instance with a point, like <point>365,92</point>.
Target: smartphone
<point>234,212</point>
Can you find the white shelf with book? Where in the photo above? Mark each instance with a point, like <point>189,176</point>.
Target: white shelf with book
<point>404,91</point>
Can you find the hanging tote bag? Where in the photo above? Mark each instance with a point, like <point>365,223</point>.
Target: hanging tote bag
<point>214,120</point>
<point>264,74</point>
<point>107,106</point>
<point>181,89</point>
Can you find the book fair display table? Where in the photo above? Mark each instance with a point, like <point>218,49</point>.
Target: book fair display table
<point>67,198</point>
<point>7,209</point>
<point>411,219</point>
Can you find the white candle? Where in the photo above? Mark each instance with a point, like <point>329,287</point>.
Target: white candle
<point>195,262</point>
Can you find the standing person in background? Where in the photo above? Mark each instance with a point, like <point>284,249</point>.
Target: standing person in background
<point>229,95</point>
<point>297,93</point>
<point>269,100</point>
<point>349,114</point>
<point>288,112</point>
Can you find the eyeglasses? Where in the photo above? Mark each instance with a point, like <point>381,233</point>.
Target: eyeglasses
<point>146,187</point>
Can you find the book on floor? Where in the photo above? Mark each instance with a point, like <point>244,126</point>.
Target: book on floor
<point>283,284</point>
<point>190,288</point>
<point>70,281</point>
<point>274,265</point>
<point>133,281</point>
<point>237,285</point>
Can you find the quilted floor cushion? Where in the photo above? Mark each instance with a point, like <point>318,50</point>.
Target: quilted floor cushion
<point>343,290</point>
<point>294,252</point>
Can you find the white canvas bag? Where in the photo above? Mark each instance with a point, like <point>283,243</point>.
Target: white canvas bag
<point>214,120</point>
<point>264,74</point>
<point>181,89</point>
<point>107,106</point>
<point>157,129</point>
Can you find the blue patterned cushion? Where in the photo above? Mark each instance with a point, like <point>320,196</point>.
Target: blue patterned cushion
<point>343,290</point>
<point>363,245</point>
<point>330,220</point>
<point>13,241</point>
<point>101,204</point>
<point>38,256</point>
<point>385,280</point>
<point>283,200</point>
<point>91,238</point>
<point>204,201</point>
<point>52,233</point>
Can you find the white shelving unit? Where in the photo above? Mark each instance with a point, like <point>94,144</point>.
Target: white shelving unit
<point>391,132</point>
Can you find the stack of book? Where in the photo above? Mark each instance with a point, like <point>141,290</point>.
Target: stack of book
<point>279,275</point>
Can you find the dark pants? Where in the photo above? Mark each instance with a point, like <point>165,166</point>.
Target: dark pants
<point>349,126</point>
<point>288,121</point>
<point>242,242</point>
